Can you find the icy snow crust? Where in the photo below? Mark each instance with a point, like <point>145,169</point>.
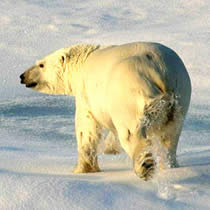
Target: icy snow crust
<point>38,147</point>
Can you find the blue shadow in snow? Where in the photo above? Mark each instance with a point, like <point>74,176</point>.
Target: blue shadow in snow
<point>198,118</point>
<point>38,106</point>
<point>11,149</point>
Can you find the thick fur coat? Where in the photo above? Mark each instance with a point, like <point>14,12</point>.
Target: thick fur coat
<point>139,91</point>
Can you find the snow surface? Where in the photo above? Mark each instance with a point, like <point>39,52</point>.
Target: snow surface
<point>37,143</point>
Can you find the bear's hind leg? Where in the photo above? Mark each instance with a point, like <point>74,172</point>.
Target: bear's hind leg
<point>112,144</point>
<point>144,166</point>
<point>139,149</point>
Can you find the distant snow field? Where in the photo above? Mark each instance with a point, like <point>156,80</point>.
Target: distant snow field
<point>38,146</point>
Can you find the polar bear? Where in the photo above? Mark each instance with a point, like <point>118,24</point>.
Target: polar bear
<point>139,91</point>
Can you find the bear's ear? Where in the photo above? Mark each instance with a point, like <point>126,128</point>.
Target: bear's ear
<point>63,61</point>
<point>63,58</point>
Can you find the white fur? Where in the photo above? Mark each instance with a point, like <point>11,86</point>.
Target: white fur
<point>135,90</point>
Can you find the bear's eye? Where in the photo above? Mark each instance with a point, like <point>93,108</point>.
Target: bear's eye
<point>41,65</point>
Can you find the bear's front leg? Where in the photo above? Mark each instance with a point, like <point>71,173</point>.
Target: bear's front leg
<point>88,133</point>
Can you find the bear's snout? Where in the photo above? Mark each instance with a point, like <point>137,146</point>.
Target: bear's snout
<point>22,78</point>
<point>25,80</point>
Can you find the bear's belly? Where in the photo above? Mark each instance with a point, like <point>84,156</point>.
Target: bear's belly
<point>102,117</point>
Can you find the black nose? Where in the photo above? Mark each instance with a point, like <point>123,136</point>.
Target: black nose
<point>22,77</point>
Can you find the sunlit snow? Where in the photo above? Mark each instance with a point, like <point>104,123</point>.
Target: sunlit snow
<point>37,143</point>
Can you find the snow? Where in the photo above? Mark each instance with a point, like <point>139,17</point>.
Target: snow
<point>37,144</point>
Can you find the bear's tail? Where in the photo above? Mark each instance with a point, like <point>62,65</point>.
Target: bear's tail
<point>161,112</point>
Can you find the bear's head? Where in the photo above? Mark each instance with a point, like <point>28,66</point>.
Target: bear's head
<point>48,75</point>
<point>59,72</point>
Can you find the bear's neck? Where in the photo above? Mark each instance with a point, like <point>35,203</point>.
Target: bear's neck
<point>76,57</point>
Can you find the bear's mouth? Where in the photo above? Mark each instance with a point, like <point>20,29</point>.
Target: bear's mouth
<point>31,85</point>
<point>24,80</point>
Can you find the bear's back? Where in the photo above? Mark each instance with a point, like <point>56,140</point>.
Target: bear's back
<point>154,61</point>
